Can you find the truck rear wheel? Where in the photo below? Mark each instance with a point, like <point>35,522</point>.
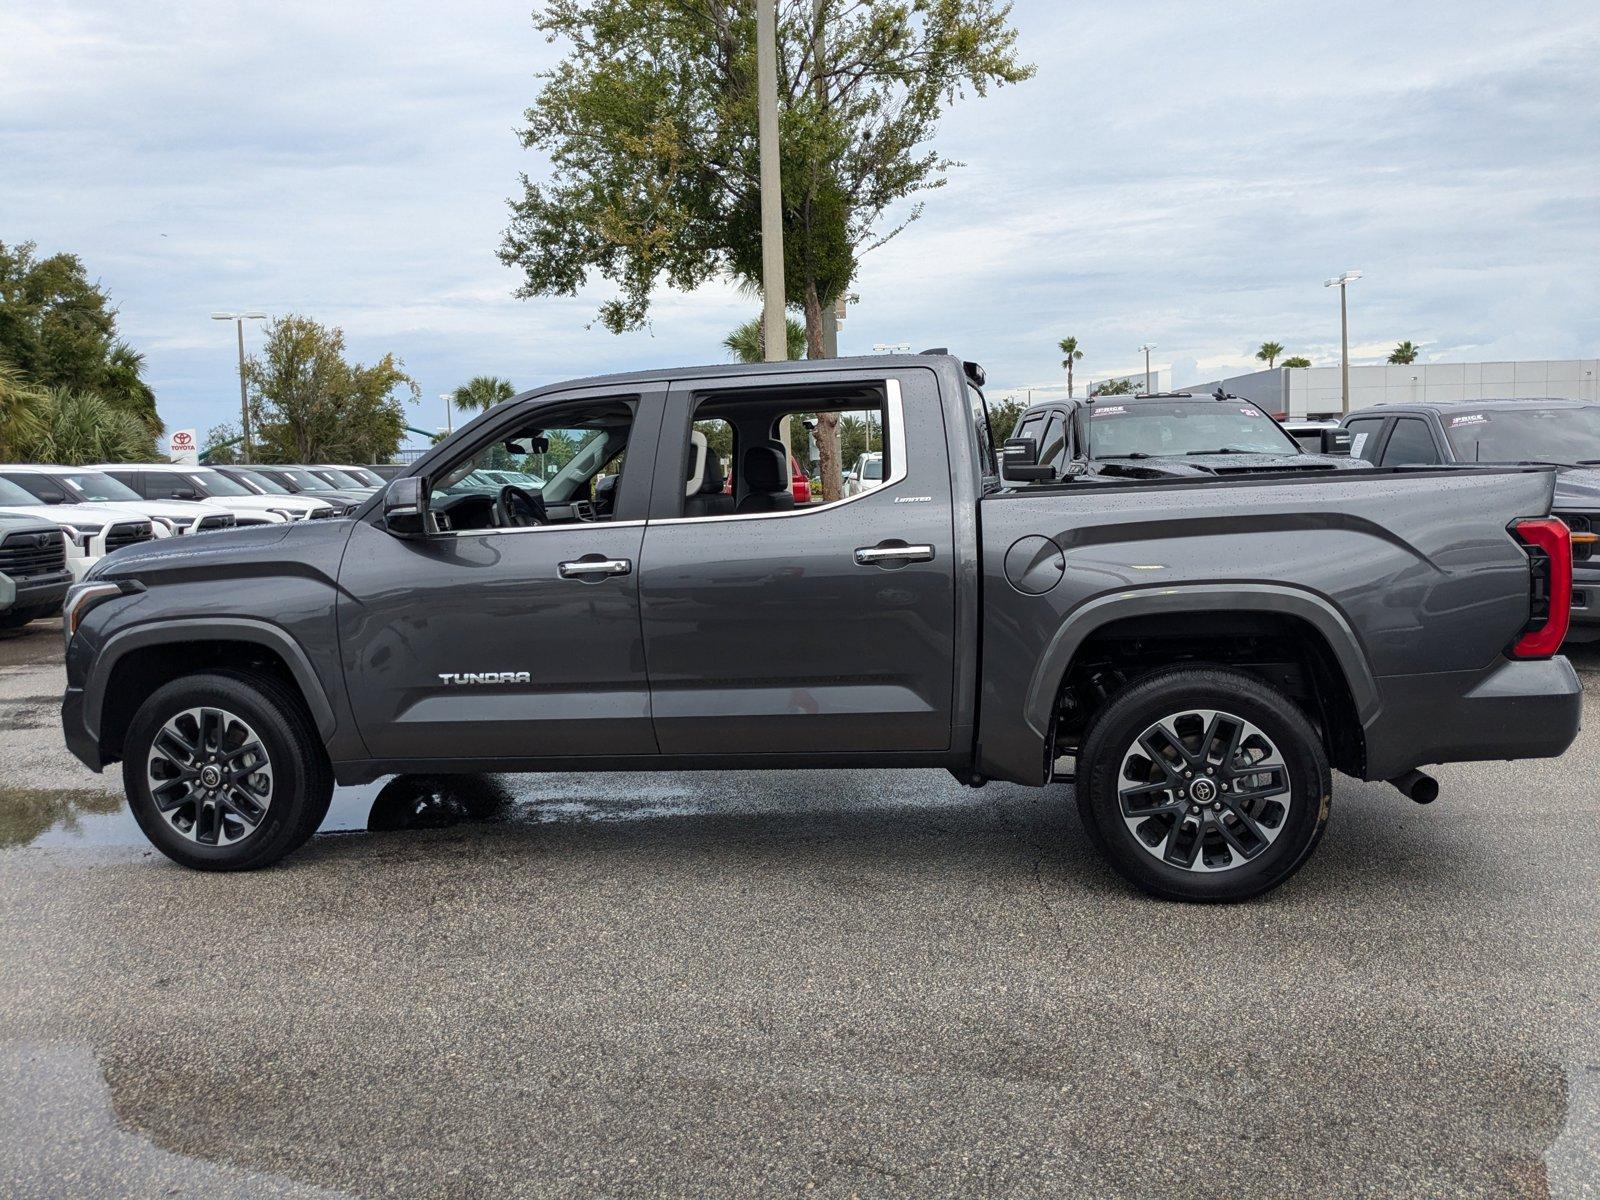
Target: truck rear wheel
<point>1203,784</point>
<point>224,771</point>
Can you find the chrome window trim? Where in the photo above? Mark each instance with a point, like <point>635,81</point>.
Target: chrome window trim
<point>590,525</point>
<point>896,422</point>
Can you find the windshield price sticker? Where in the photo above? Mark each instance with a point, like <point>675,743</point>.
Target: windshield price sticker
<point>1356,443</point>
<point>1469,419</point>
<point>1110,412</point>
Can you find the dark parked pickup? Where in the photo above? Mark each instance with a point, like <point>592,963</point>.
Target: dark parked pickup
<point>1199,651</point>
<point>1563,434</point>
<point>1162,436</point>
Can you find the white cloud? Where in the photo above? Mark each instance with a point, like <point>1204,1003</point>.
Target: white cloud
<point>1182,173</point>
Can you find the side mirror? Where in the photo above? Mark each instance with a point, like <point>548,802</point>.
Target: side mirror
<point>1019,462</point>
<point>1336,441</point>
<point>185,494</point>
<point>405,507</point>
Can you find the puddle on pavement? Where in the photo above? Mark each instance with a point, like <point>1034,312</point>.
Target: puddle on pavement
<point>86,817</point>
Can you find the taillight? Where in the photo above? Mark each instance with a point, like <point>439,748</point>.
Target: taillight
<point>1548,542</point>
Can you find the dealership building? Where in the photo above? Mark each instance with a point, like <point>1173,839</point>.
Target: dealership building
<point>1315,391</point>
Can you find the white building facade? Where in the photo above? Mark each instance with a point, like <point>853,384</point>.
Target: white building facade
<point>1298,392</point>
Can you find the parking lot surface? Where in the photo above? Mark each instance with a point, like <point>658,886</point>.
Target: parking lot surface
<point>762,983</point>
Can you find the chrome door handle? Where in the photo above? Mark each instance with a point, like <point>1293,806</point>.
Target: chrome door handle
<point>585,568</point>
<point>870,556</point>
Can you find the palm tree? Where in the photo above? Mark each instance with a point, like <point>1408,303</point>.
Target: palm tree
<point>82,427</point>
<point>1403,355</point>
<point>1269,353</point>
<point>22,409</point>
<point>122,386</point>
<point>1069,347</point>
<point>747,344</point>
<point>1297,361</point>
<point>482,391</point>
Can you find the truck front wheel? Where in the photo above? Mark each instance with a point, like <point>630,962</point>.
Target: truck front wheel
<point>1203,784</point>
<point>224,772</point>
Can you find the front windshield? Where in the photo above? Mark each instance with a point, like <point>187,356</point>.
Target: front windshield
<point>91,486</point>
<point>1560,435</point>
<point>266,483</point>
<point>341,479</point>
<point>214,483</point>
<point>1159,428</point>
<point>872,468</point>
<point>10,493</point>
<point>305,480</point>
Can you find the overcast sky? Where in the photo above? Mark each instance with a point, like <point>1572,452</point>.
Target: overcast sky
<point>1185,173</point>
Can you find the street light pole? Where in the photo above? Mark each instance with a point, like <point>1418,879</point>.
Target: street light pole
<point>774,320</point>
<point>1147,347</point>
<point>244,404</point>
<point>449,415</point>
<point>1341,283</point>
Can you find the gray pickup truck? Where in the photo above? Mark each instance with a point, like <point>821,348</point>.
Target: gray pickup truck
<point>1197,652</point>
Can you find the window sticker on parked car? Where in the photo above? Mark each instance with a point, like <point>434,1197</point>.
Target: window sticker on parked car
<point>1109,412</point>
<point>1469,419</point>
<point>1356,443</point>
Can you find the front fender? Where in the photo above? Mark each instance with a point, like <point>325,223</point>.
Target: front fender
<point>213,629</point>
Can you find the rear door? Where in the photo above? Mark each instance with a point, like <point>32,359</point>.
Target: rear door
<point>821,628</point>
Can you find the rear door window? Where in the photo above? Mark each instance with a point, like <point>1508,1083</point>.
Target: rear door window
<point>1410,444</point>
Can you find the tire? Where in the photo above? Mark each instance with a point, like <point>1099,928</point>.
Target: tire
<point>1224,834</point>
<point>285,782</point>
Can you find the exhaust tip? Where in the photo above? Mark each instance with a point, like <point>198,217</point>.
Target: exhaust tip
<point>1424,789</point>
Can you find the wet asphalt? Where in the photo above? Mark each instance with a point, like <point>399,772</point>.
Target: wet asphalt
<point>787,983</point>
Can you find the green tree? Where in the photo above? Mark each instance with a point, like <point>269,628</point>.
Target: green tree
<point>1403,355</point>
<point>1069,347</point>
<point>1269,352</point>
<point>1114,387</point>
<point>748,343</point>
<point>59,330</point>
<point>1003,417</point>
<point>83,427</point>
<point>483,392</point>
<point>650,127</point>
<point>307,404</point>
<point>22,412</point>
<point>1297,361</point>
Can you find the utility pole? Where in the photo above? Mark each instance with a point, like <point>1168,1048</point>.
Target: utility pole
<point>1342,282</point>
<point>1147,347</point>
<point>244,404</point>
<point>774,321</point>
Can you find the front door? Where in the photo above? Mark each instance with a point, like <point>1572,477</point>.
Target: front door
<point>783,625</point>
<point>511,631</point>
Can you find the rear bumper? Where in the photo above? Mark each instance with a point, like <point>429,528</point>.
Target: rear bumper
<point>1513,710</point>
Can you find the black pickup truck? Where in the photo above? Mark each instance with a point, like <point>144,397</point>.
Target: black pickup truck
<point>1162,435</point>
<point>1198,652</point>
<point>1561,434</point>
